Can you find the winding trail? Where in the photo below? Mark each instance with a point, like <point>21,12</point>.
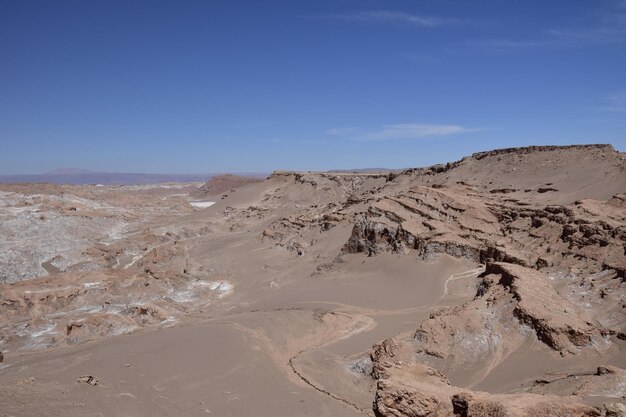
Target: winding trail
<point>344,321</point>
<point>336,326</point>
<point>359,323</point>
<point>460,275</point>
<point>349,311</point>
<point>322,390</point>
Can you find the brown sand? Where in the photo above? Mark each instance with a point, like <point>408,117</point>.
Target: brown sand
<point>267,302</point>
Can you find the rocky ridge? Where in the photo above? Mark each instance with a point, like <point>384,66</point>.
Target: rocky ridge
<point>566,293</point>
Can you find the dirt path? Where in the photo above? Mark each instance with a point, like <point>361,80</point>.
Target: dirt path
<point>461,275</point>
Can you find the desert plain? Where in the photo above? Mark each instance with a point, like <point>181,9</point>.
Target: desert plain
<point>490,286</point>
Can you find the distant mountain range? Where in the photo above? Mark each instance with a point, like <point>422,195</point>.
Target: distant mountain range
<point>79,176</point>
<point>83,176</point>
<point>71,171</point>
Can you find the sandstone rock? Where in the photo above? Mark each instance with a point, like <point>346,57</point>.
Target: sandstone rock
<point>615,410</point>
<point>88,379</point>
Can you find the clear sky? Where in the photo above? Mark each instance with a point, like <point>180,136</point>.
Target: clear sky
<point>208,86</point>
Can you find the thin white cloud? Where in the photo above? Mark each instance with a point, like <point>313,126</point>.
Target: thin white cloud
<point>555,39</point>
<point>506,44</point>
<point>392,17</point>
<point>604,26</point>
<point>610,34</point>
<point>615,102</point>
<point>400,131</point>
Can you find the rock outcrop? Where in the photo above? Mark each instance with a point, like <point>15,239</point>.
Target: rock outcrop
<point>459,222</point>
<point>226,182</point>
<point>420,391</point>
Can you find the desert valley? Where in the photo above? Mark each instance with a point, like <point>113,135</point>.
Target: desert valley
<point>490,286</point>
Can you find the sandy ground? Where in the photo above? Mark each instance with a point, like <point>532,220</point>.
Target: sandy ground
<point>319,294</point>
<point>239,363</point>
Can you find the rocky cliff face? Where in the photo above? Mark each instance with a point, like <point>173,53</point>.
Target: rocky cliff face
<point>419,391</point>
<point>459,221</point>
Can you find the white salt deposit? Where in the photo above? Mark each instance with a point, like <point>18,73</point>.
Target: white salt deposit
<point>135,259</point>
<point>201,204</point>
<point>223,287</point>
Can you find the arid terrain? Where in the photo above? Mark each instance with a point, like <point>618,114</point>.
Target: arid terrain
<point>490,286</point>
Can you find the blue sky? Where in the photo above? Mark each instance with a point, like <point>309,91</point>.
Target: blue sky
<point>212,86</point>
